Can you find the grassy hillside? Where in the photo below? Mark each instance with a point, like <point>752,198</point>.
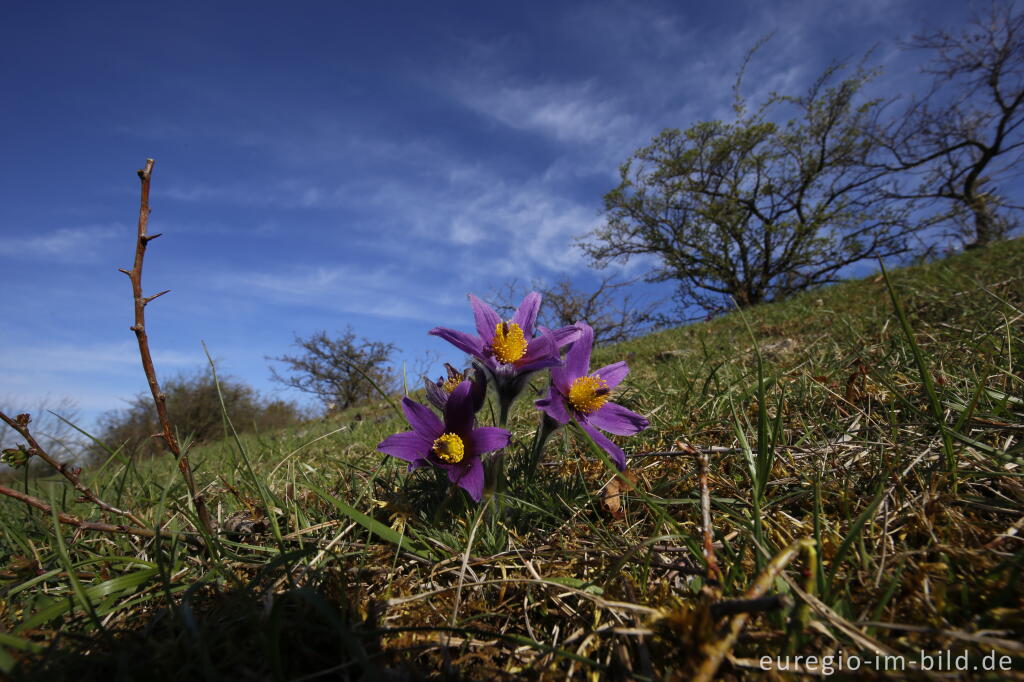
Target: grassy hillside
<point>863,471</point>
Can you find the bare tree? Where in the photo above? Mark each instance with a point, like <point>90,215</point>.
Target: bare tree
<point>339,371</point>
<point>614,313</point>
<point>963,139</point>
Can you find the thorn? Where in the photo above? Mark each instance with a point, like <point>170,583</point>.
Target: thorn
<point>146,301</point>
<point>150,237</point>
<point>124,271</point>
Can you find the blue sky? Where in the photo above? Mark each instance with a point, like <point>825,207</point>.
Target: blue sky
<point>333,163</point>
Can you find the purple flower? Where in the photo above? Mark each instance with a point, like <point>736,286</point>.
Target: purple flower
<point>438,391</point>
<point>454,444</point>
<point>576,394</point>
<point>508,349</point>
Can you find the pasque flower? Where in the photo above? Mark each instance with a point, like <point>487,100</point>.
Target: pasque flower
<point>438,391</point>
<point>507,349</point>
<point>454,444</point>
<point>576,393</point>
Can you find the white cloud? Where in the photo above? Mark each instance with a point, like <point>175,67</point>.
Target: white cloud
<point>522,229</point>
<point>64,245</point>
<point>99,376</point>
<point>378,291</point>
<point>568,112</point>
<point>96,357</point>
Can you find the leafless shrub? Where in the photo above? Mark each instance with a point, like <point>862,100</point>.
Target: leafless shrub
<point>615,313</point>
<point>194,406</point>
<point>340,371</point>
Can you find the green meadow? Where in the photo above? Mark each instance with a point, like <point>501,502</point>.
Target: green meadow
<point>862,458</point>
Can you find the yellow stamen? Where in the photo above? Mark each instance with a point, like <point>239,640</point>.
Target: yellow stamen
<point>588,394</point>
<point>509,343</point>
<point>449,447</point>
<point>455,378</point>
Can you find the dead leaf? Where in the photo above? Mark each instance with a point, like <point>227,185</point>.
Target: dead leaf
<point>613,499</point>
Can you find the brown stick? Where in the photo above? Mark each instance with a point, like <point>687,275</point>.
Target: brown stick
<point>714,572</point>
<point>135,275</point>
<point>20,424</point>
<point>714,652</point>
<point>730,607</point>
<point>86,525</point>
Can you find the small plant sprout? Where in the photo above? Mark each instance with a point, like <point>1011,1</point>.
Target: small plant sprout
<point>576,393</point>
<point>454,444</point>
<point>507,350</point>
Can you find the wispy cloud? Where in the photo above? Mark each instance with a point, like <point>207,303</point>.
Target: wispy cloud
<point>64,245</point>
<point>383,291</point>
<point>74,359</point>
<point>97,376</point>
<point>567,112</point>
<point>521,230</point>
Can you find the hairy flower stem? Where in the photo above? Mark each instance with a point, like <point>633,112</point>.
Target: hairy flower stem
<point>547,427</point>
<point>504,407</point>
<point>496,482</point>
<point>494,489</point>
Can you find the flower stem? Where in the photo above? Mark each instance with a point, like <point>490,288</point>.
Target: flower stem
<point>503,409</point>
<point>494,489</point>
<point>547,427</point>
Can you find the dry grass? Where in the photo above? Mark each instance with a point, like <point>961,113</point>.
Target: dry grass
<point>898,456</point>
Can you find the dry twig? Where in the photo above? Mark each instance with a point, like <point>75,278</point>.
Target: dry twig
<point>715,652</point>
<point>135,275</point>
<point>82,524</point>
<point>71,473</point>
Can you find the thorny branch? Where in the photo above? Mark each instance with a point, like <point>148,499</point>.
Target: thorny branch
<point>82,524</point>
<point>159,399</point>
<point>20,424</point>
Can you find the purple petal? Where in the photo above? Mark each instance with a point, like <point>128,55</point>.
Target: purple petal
<point>613,450</point>
<point>486,319</point>
<point>435,394</point>
<point>464,342</point>
<point>561,379</point>
<point>408,445</point>
<point>541,349</point>
<point>423,421</point>
<point>526,316</point>
<point>565,335</point>
<point>618,420</point>
<point>541,362</point>
<point>577,358</point>
<point>479,391</point>
<point>489,439</point>
<point>554,406</point>
<point>458,412</point>
<point>470,478</point>
<point>613,374</point>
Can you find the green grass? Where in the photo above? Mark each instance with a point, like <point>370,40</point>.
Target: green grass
<point>891,436</point>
